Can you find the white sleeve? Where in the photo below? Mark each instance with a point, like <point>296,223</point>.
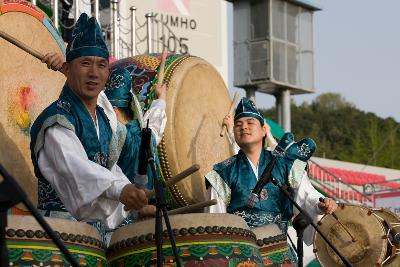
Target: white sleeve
<point>234,146</point>
<point>157,119</point>
<point>270,142</point>
<point>87,190</point>
<point>103,102</point>
<point>220,207</point>
<point>308,199</point>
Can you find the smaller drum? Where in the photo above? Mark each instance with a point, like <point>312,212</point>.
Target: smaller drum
<point>372,230</point>
<point>392,226</point>
<point>29,245</point>
<point>201,239</point>
<point>273,246</point>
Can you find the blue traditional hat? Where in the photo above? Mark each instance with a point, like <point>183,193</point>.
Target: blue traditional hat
<point>118,88</point>
<point>87,40</point>
<point>302,150</point>
<point>246,108</point>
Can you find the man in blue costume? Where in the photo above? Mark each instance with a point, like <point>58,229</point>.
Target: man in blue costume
<point>73,146</point>
<point>128,111</point>
<point>233,180</point>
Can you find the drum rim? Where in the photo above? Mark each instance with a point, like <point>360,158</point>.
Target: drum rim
<point>27,8</point>
<point>177,222</point>
<point>317,236</point>
<point>163,154</point>
<point>26,227</point>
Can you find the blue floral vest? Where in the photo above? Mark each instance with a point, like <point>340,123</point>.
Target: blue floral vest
<point>69,112</point>
<point>236,174</point>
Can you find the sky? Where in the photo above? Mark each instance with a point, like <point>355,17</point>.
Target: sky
<point>357,54</point>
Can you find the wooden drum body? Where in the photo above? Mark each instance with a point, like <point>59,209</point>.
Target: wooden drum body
<point>202,240</point>
<point>29,245</point>
<point>26,85</point>
<point>273,246</point>
<point>371,230</point>
<point>197,101</point>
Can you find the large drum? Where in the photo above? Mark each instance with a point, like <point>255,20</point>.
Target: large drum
<point>26,85</point>
<point>373,231</point>
<point>29,245</point>
<point>197,100</point>
<point>202,240</point>
<point>273,246</point>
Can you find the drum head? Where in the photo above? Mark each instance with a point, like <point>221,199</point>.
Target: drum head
<point>26,86</point>
<point>197,101</point>
<point>267,231</point>
<point>369,247</point>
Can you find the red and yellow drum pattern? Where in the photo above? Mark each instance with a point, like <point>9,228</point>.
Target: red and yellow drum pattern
<point>205,243</point>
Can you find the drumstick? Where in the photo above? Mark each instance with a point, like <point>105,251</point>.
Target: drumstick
<point>24,47</point>
<point>193,208</point>
<point>235,98</point>
<point>21,45</point>
<point>337,219</point>
<point>160,74</point>
<point>180,176</point>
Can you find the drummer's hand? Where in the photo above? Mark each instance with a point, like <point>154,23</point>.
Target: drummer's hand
<point>160,87</point>
<point>132,197</point>
<point>147,211</point>
<point>329,206</point>
<point>55,61</point>
<point>228,122</point>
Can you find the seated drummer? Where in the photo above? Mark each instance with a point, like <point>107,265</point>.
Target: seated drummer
<point>73,146</point>
<point>233,180</point>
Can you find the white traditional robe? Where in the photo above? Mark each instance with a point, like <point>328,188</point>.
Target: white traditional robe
<point>88,190</point>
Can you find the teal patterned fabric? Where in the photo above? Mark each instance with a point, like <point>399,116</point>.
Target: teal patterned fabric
<point>246,108</point>
<point>69,112</point>
<point>237,174</point>
<point>234,180</point>
<point>129,158</point>
<point>301,150</point>
<point>118,88</point>
<point>87,40</point>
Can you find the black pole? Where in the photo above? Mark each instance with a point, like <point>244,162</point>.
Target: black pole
<point>300,223</point>
<point>300,253</point>
<point>3,245</point>
<point>15,193</point>
<point>283,189</point>
<point>161,205</point>
<point>158,235</point>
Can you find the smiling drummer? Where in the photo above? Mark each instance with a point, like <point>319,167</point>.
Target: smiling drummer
<point>233,180</point>
<point>73,146</point>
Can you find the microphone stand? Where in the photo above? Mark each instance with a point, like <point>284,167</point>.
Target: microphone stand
<point>11,194</point>
<point>300,223</point>
<point>161,211</point>
<point>304,221</point>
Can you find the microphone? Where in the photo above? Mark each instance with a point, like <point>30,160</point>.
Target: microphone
<point>141,178</point>
<point>265,178</point>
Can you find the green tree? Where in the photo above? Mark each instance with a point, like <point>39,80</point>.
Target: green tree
<point>344,132</point>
